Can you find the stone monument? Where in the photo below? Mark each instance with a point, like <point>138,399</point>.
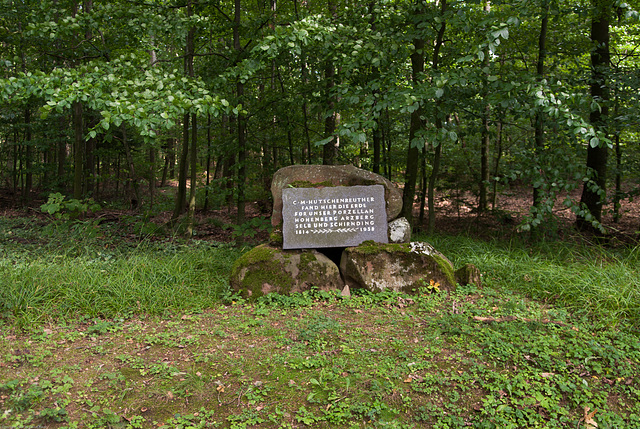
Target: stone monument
<point>341,216</point>
<point>319,211</point>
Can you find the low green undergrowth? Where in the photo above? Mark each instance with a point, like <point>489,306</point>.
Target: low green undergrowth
<point>47,274</point>
<point>597,282</point>
<point>102,332</point>
<point>472,358</point>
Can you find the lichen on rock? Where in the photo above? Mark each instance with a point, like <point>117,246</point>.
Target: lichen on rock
<point>265,269</point>
<point>401,267</point>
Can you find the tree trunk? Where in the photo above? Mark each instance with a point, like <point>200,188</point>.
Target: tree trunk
<point>435,167</point>
<point>485,138</point>
<point>208,166</point>
<point>194,175</point>
<point>181,195</point>
<point>28,183</point>
<point>241,123</point>
<point>78,150</point>
<point>330,149</point>
<point>539,119</point>
<point>416,124</point>
<point>183,165</point>
<point>594,189</point>
<point>62,153</point>
<point>137,199</point>
<point>152,175</point>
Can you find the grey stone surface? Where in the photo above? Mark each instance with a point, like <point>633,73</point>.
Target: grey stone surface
<point>265,269</point>
<point>310,176</point>
<point>399,231</point>
<point>340,216</point>
<point>400,267</point>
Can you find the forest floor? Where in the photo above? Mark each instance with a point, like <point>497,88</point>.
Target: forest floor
<point>111,324</point>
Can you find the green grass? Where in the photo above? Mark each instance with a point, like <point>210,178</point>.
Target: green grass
<point>600,283</point>
<point>98,331</point>
<point>72,272</point>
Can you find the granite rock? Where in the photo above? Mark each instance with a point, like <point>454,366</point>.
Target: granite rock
<point>401,267</point>
<point>265,269</point>
<point>310,176</point>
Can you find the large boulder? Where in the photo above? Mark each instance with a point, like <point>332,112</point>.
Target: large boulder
<point>266,269</point>
<point>401,267</point>
<point>306,176</point>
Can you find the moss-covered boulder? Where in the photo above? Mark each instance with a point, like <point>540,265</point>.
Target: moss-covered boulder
<point>265,269</point>
<point>309,176</point>
<point>401,267</point>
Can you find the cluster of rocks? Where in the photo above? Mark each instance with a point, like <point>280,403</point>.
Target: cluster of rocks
<point>399,265</point>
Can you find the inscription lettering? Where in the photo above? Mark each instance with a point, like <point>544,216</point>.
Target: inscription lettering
<point>333,217</point>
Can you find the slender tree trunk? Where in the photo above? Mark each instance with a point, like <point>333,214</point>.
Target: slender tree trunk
<point>539,119</point>
<point>28,184</point>
<point>306,151</point>
<point>485,137</point>
<point>618,195</point>
<point>594,189</point>
<point>330,149</point>
<point>496,166</point>
<point>208,179</point>
<point>241,123</point>
<point>62,153</point>
<point>137,199</point>
<point>435,166</point>
<point>181,196</point>
<point>194,175</point>
<point>416,124</point>
<point>183,166</point>
<point>90,165</point>
<point>78,150</point>
<point>423,187</point>
<point>152,175</point>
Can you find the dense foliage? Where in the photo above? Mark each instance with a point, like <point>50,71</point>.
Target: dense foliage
<point>112,98</point>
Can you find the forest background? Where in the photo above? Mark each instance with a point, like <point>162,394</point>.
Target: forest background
<point>113,100</point>
<point>166,116</point>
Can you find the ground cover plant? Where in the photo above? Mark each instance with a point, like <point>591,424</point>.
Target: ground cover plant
<point>101,331</point>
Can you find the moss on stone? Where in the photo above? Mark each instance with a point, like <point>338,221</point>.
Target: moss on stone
<point>262,268</point>
<point>308,184</point>
<point>446,268</point>
<point>370,247</point>
<point>258,254</point>
<point>276,239</point>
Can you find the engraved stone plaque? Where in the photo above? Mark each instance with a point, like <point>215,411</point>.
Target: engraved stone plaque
<point>341,216</point>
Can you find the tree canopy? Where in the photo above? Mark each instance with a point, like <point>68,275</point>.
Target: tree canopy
<point>101,97</point>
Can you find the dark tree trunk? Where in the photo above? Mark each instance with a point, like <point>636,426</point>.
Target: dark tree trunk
<point>183,166</point>
<point>28,183</point>
<point>194,174</point>
<point>435,167</point>
<point>181,195</point>
<point>78,150</point>
<point>241,123</point>
<point>485,137</point>
<point>416,124</point>
<point>330,149</point>
<point>539,121</point>
<point>208,166</point>
<point>593,192</point>
<point>137,198</point>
